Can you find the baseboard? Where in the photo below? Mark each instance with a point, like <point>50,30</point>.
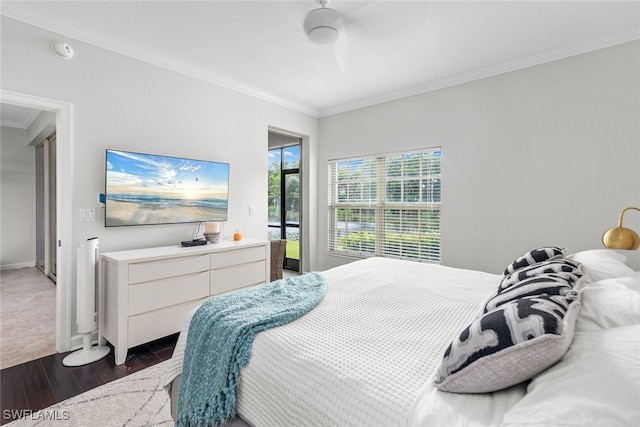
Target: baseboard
<point>17,265</point>
<point>77,340</point>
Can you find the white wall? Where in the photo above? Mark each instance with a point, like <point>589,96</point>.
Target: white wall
<point>548,155</point>
<point>17,200</point>
<point>122,103</point>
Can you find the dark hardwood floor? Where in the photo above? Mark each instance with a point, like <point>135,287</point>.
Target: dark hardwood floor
<point>43,382</point>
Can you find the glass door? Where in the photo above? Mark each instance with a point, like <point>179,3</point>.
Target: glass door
<point>291,213</point>
<point>284,201</point>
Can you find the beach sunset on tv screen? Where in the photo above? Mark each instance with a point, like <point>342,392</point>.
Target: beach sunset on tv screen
<point>144,189</point>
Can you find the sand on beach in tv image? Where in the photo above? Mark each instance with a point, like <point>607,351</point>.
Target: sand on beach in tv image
<point>132,213</point>
<point>149,189</point>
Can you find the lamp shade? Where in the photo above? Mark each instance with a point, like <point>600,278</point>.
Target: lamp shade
<point>620,237</point>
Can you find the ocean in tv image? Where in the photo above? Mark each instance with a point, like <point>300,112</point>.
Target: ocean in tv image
<point>143,189</point>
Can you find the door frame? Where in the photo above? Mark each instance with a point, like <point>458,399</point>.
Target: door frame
<point>64,207</point>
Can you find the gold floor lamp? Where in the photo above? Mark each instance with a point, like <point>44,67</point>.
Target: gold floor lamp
<point>620,237</point>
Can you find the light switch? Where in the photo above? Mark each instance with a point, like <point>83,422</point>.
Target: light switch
<point>87,215</point>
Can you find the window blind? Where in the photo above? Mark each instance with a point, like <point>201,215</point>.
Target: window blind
<point>387,205</point>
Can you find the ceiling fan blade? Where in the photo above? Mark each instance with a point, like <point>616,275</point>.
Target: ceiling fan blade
<point>341,49</point>
<point>385,28</point>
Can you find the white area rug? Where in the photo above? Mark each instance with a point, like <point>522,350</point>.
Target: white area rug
<point>27,316</point>
<point>134,400</point>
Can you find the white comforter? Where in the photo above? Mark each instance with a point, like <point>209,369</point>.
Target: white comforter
<point>366,354</point>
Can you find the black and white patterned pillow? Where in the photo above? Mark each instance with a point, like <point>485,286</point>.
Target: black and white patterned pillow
<point>565,268</point>
<point>542,284</point>
<point>534,256</point>
<point>509,344</point>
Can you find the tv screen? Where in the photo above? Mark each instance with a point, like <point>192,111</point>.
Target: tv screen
<point>146,189</point>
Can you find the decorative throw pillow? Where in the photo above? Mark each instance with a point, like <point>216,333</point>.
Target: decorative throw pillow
<point>509,344</point>
<point>567,269</point>
<point>533,257</point>
<point>543,284</point>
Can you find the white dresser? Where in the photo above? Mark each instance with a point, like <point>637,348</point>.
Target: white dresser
<point>145,294</point>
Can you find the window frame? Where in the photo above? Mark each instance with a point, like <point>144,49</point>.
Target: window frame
<point>418,240</point>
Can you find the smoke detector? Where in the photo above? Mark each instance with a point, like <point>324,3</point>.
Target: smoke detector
<point>62,50</point>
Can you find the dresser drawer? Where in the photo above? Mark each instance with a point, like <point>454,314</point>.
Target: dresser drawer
<point>157,324</point>
<point>236,277</point>
<point>161,293</point>
<point>237,256</point>
<point>152,270</point>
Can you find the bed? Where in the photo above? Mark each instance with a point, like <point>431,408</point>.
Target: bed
<point>389,337</point>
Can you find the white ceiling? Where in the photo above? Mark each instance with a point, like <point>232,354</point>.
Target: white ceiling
<point>394,48</point>
<point>18,117</point>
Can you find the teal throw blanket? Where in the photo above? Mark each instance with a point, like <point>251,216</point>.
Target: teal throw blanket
<point>219,343</point>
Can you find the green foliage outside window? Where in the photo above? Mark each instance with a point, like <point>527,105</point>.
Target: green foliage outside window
<point>292,188</point>
<point>358,242</point>
<point>425,246</point>
<point>395,215</point>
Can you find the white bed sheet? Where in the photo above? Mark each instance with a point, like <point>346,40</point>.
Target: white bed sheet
<point>366,354</point>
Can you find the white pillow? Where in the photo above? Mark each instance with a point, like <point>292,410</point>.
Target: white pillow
<point>596,383</point>
<point>609,303</point>
<point>598,264</point>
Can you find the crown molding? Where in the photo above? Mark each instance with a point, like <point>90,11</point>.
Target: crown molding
<point>31,17</point>
<point>26,121</point>
<point>11,124</point>
<point>627,35</point>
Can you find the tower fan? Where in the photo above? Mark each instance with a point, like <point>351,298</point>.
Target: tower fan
<point>87,305</point>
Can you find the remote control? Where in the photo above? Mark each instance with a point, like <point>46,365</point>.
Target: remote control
<point>194,242</point>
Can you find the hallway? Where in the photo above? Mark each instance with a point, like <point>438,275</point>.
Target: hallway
<point>28,316</point>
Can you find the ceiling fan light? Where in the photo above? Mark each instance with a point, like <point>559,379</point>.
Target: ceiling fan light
<point>322,25</point>
<point>323,35</point>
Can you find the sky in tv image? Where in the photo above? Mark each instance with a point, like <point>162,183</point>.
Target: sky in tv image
<point>151,189</point>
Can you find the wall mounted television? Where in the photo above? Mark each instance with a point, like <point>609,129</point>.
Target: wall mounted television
<point>148,189</point>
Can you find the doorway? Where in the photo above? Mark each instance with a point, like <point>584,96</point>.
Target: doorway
<point>28,230</point>
<point>63,210</point>
<point>284,195</point>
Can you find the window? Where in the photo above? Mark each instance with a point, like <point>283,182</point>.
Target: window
<point>386,206</point>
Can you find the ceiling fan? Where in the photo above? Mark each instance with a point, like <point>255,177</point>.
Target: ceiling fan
<point>374,27</point>
<point>325,26</point>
